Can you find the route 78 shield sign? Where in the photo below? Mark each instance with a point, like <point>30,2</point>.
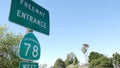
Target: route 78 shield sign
<point>29,47</point>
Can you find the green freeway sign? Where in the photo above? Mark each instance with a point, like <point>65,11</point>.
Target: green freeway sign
<point>29,14</point>
<point>29,47</point>
<point>28,65</point>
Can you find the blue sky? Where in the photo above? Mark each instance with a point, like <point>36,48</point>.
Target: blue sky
<point>72,23</point>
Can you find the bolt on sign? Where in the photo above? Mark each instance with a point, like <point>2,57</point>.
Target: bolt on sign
<point>29,14</point>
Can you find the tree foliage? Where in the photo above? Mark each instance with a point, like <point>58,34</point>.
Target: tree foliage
<point>106,64</point>
<point>59,63</point>
<point>75,61</point>
<point>9,47</point>
<point>84,48</point>
<point>99,60</point>
<point>116,58</point>
<point>71,59</point>
<point>94,55</point>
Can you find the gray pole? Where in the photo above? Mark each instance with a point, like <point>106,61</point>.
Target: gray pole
<point>29,30</point>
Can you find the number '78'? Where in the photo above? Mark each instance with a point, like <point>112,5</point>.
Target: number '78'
<point>34,52</point>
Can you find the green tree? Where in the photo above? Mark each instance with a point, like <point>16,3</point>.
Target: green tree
<point>59,63</point>
<point>67,62</point>
<point>9,47</point>
<point>116,59</point>
<point>84,48</point>
<point>106,64</point>
<point>94,55</point>
<point>71,59</point>
<point>101,62</point>
<point>75,61</point>
<point>94,63</point>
